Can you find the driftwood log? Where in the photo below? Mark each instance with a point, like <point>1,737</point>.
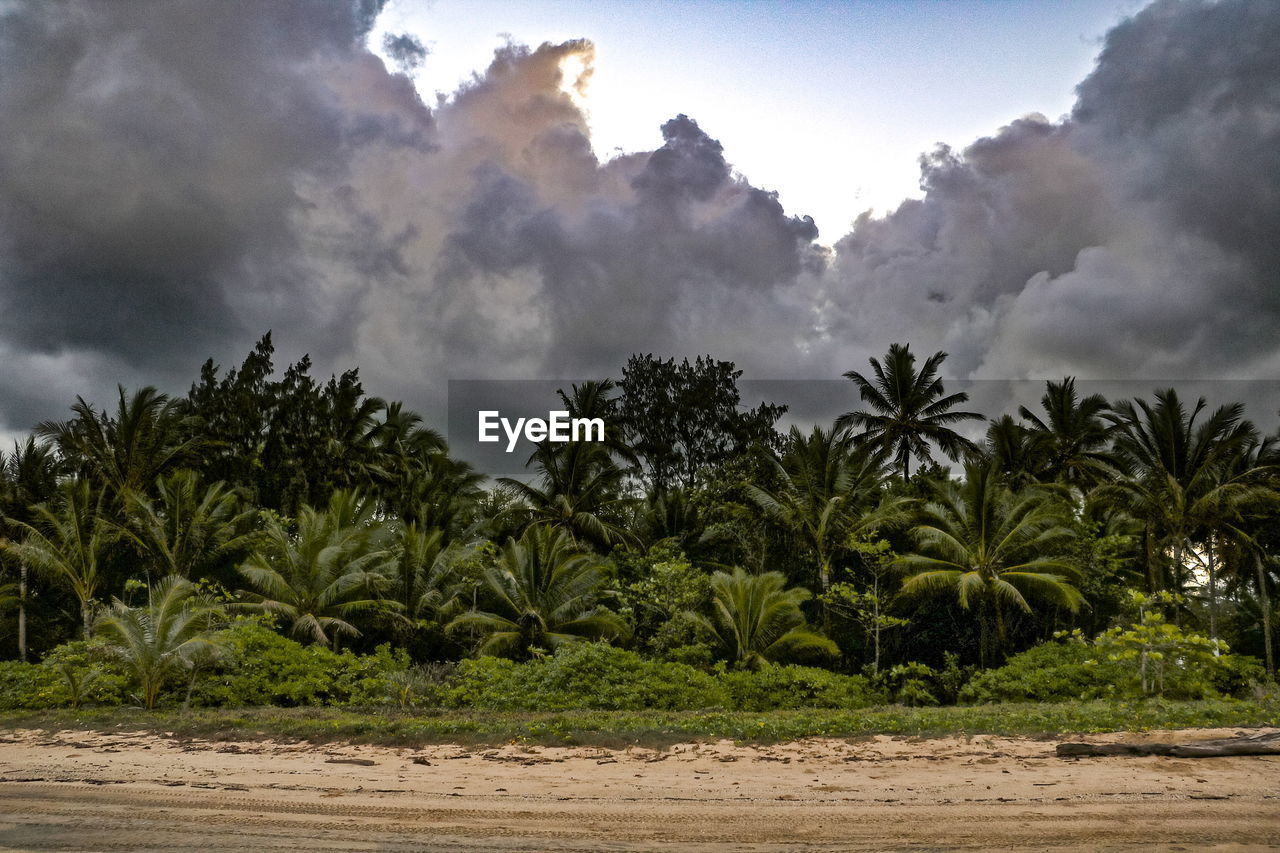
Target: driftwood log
<point>1264,744</point>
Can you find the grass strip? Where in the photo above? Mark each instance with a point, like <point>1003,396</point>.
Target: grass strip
<point>648,728</point>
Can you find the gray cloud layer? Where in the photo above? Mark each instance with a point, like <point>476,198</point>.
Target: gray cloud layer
<point>178,177</point>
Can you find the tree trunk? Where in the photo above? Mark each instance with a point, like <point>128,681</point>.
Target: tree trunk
<point>22,612</point>
<point>875,590</point>
<point>1213,597</point>
<point>1264,599</point>
<point>86,616</point>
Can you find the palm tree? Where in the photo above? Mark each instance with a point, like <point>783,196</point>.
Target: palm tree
<point>910,409</point>
<point>756,619</point>
<point>335,567</point>
<point>28,476</point>
<point>826,490</point>
<point>186,530</point>
<point>1072,436</point>
<point>580,492</point>
<point>425,568</point>
<point>1183,481</point>
<point>67,540</point>
<point>991,547</point>
<point>543,592</point>
<point>1019,453</point>
<point>148,437</point>
<point>171,633</point>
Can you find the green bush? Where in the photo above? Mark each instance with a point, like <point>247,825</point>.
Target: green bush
<point>789,687</point>
<point>29,685</point>
<point>1053,670</point>
<point>260,667</point>
<point>1074,669</point>
<point>588,676</point>
<point>72,674</point>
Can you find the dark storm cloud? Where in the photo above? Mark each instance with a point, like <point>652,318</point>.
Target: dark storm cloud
<point>154,175</point>
<point>405,50</point>
<point>179,176</point>
<point>1134,238</point>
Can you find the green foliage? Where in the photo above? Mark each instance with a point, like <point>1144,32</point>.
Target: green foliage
<point>755,619</point>
<point>785,687</point>
<point>29,685</point>
<point>683,420</point>
<point>171,633</point>
<point>542,592</point>
<point>912,684</point>
<point>1150,657</point>
<point>320,577</point>
<point>419,686</point>
<point>1162,658</point>
<point>1048,672</point>
<point>74,674</point>
<point>666,586</point>
<point>260,667</point>
<point>582,676</point>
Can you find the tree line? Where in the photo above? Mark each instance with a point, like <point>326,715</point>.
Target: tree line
<point>697,531</point>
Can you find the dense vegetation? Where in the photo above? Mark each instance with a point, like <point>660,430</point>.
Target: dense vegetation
<point>290,542</point>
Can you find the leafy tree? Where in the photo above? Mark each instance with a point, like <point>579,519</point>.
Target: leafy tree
<point>148,436</point>
<point>67,540</point>
<point>171,633</point>
<point>187,530</point>
<point>1183,481</point>
<point>543,592</point>
<point>28,476</point>
<point>992,548</point>
<point>683,419</point>
<point>1017,452</point>
<point>869,606</point>
<point>825,491</point>
<point>909,409</point>
<point>334,568</point>
<point>662,587</point>
<point>580,492</point>
<point>755,619</point>
<point>1072,436</point>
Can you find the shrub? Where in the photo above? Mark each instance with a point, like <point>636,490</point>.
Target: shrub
<point>29,685</point>
<point>1112,668</point>
<point>260,667</point>
<point>72,674</point>
<point>1053,670</point>
<point>589,676</point>
<point>912,684</point>
<point>777,687</point>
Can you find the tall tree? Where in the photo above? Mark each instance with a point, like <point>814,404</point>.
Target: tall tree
<point>993,548</point>
<point>28,476</point>
<point>682,420</point>
<point>1182,478</point>
<point>187,529</point>
<point>67,540</point>
<point>1072,436</point>
<point>579,491</point>
<point>910,409</point>
<point>825,490</point>
<point>149,436</point>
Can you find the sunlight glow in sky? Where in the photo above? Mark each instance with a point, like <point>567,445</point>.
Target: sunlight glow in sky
<point>828,103</point>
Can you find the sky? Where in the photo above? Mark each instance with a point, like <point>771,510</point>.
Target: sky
<point>1081,188</point>
<point>868,85</point>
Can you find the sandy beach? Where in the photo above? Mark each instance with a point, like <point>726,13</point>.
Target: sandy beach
<point>84,791</point>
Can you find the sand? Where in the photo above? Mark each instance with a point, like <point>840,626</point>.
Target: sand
<point>84,791</point>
